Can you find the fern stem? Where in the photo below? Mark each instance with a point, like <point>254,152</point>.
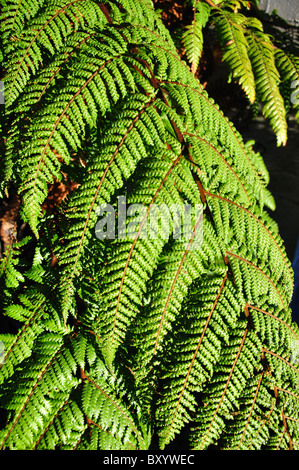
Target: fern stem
<point>195,353</point>
<point>261,271</point>
<point>116,405</point>
<point>266,351</point>
<point>288,392</point>
<point>136,239</point>
<point>284,421</point>
<point>275,317</point>
<point>209,2</point>
<point>226,385</point>
<point>251,408</point>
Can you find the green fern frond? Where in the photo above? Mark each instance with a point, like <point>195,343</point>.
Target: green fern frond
<point>12,16</point>
<point>236,364</point>
<point>267,82</point>
<point>234,46</point>
<point>99,403</point>
<point>203,327</point>
<point>228,138</point>
<point>55,131</point>
<point>35,313</point>
<point>106,174</point>
<point>288,66</point>
<point>9,274</point>
<point>248,429</point>
<point>192,38</point>
<point>123,277</point>
<point>44,35</point>
<point>48,379</point>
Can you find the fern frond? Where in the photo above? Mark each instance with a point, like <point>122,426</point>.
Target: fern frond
<point>65,429</point>
<point>235,50</point>
<point>261,253</point>
<point>99,403</point>
<point>248,429</point>
<point>55,131</point>
<point>115,159</point>
<point>9,275</point>
<point>44,35</point>
<point>215,123</point>
<point>288,67</point>
<point>267,82</point>
<point>236,364</point>
<point>192,38</point>
<point>35,313</point>
<point>135,251</point>
<point>48,379</point>
<point>12,16</point>
<point>202,329</point>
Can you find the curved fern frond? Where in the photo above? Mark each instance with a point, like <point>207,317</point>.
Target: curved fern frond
<point>235,50</point>
<point>12,16</point>
<point>288,66</point>
<point>267,82</point>
<point>236,365</point>
<point>97,399</point>
<point>182,381</point>
<point>46,34</point>
<point>49,376</point>
<point>55,130</point>
<point>192,38</point>
<point>135,251</point>
<point>9,275</point>
<point>215,123</point>
<point>117,143</point>
<point>32,312</point>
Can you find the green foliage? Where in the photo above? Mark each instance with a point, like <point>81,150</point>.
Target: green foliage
<point>251,55</point>
<point>192,37</point>
<point>267,83</point>
<point>288,66</point>
<point>122,339</point>
<point>235,50</point>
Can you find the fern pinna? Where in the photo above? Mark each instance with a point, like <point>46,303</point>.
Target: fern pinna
<point>124,338</point>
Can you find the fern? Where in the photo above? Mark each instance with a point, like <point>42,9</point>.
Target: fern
<point>262,56</point>
<point>121,339</point>
<point>249,54</point>
<point>192,38</point>
<point>288,67</point>
<point>235,50</point>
